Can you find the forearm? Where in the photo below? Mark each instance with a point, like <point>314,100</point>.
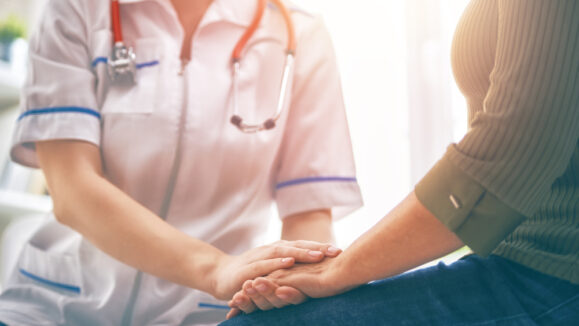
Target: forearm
<point>117,224</point>
<point>407,237</point>
<point>126,230</point>
<point>313,225</point>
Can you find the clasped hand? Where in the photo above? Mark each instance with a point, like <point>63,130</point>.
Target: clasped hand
<point>231,272</point>
<point>288,286</point>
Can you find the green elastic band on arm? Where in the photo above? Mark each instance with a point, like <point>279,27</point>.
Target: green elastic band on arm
<point>477,217</point>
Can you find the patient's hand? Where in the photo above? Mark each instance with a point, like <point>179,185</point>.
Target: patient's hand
<point>263,294</point>
<point>289,286</point>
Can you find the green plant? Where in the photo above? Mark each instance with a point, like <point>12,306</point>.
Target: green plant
<point>12,28</point>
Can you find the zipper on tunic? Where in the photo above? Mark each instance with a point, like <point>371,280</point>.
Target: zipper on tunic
<point>171,183</point>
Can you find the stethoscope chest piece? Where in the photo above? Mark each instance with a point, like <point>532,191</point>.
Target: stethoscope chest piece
<point>121,64</point>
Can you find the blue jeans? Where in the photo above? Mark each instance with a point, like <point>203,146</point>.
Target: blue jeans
<point>471,291</point>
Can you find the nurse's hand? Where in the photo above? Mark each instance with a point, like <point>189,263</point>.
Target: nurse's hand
<point>231,272</point>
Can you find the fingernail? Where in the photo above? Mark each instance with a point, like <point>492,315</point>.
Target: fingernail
<point>250,291</point>
<point>285,260</point>
<point>237,302</point>
<point>261,287</point>
<point>315,253</point>
<point>283,296</point>
<point>333,250</point>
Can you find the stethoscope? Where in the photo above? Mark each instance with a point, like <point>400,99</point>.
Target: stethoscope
<point>122,63</point>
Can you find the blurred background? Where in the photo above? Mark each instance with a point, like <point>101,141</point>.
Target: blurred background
<point>402,103</point>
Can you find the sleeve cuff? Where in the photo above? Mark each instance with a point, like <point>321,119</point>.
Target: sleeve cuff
<point>342,197</point>
<point>50,125</point>
<point>475,215</point>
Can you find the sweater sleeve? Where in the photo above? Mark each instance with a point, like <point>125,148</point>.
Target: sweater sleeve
<point>526,134</point>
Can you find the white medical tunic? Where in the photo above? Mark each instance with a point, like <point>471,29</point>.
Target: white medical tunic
<point>175,120</point>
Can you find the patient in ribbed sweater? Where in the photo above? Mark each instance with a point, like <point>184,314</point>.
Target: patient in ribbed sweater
<point>509,190</point>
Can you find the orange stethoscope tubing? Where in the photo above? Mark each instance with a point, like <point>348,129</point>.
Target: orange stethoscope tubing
<point>116,22</point>
<point>236,59</point>
<point>123,60</point>
<point>261,4</point>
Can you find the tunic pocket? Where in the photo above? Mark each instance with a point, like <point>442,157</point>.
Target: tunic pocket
<point>123,96</point>
<point>57,272</point>
<point>44,262</point>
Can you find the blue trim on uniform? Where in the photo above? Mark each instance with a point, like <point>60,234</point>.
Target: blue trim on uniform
<point>314,179</point>
<point>63,109</point>
<point>62,286</point>
<point>98,60</point>
<point>210,305</point>
<point>147,64</point>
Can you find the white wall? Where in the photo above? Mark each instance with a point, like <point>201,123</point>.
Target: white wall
<point>373,40</point>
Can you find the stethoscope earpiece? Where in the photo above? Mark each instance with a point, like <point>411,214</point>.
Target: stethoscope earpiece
<point>269,124</point>
<point>236,120</point>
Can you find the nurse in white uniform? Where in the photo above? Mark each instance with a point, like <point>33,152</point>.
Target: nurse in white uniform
<point>158,197</point>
